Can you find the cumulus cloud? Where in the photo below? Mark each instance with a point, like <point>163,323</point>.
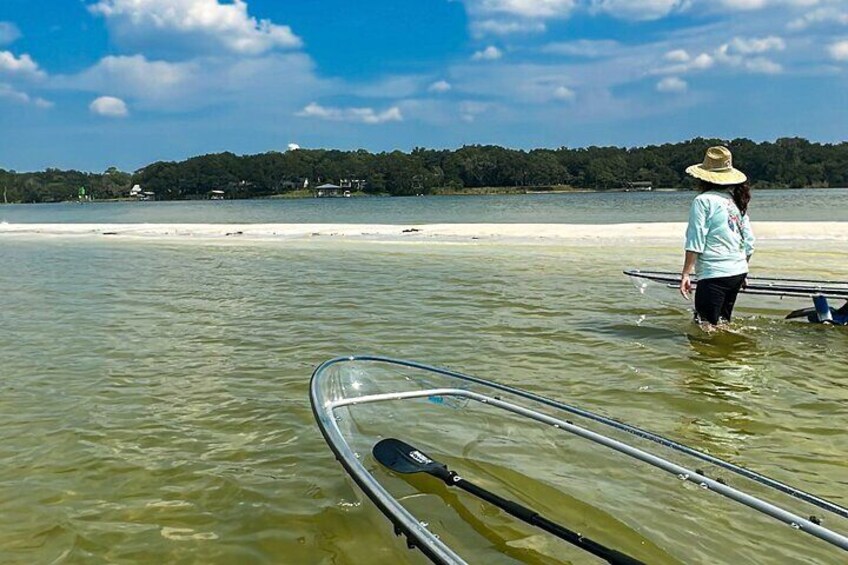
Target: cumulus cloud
<point>226,82</point>
<point>109,107</point>
<point>740,53</point>
<point>522,8</point>
<point>9,33</point>
<point>136,76</point>
<point>439,86</point>
<point>503,17</point>
<point>672,84</point>
<point>677,56</point>
<point>354,115</point>
<point>7,92</point>
<point>639,9</point>
<point>506,27</point>
<point>21,66</point>
<point>839,51</point>
<point>756,45</point>
<point>564,93</point>
<point>819,16</point>
<point>683,63</point>
<point>737,53</point>
<point>490,53</point>
<point>205,25</point>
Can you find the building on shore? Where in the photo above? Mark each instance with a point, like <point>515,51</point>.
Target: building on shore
<point>639,186</point>
<point>330,190</point>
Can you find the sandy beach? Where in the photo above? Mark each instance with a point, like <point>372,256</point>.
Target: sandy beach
<point>504,233</point>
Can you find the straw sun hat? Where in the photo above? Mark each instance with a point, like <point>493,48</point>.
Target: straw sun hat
<point>717,168</point>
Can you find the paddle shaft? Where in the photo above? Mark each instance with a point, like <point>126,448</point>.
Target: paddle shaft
<point>527,515</point>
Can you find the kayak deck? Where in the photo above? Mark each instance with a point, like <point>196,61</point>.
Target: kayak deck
<point>615,482</point>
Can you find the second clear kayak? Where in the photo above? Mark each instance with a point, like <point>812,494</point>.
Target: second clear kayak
<point>470,470</point>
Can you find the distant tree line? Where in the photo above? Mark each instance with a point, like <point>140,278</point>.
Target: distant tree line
<point>787,162</point>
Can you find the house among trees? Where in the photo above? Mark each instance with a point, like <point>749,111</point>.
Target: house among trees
<point>330,191</point>
<point>353,184</point>
<point>291,185</point>
<point>144,195</point>
<point>639,186</point>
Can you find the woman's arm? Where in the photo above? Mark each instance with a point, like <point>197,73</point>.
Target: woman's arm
<point>688,267</point>
<point>748,238</point>
<point>696,241</point>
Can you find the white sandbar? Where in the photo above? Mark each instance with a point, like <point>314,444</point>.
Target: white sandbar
<point>517,233</point>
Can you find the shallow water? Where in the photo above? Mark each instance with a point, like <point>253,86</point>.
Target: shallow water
<point>575,208</point>
<point>154,395</point>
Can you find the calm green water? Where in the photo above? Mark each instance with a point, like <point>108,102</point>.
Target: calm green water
<point>574,208</point>
<point>154,395</point>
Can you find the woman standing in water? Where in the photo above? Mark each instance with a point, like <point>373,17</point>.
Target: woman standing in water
<point>719,240</point>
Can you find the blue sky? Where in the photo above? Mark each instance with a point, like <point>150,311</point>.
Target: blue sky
<point>89,84</point>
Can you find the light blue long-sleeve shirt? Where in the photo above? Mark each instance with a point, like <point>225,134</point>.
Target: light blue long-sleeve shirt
<point>720,235</point>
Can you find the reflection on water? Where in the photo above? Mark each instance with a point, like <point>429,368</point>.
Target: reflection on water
<point>154,396</point>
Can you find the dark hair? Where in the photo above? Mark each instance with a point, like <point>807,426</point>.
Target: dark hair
<point>741,193</point>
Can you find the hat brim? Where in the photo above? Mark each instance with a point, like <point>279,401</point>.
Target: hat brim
<point>728,177</point>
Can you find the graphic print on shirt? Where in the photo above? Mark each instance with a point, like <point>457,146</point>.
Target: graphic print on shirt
<point>734,221</point>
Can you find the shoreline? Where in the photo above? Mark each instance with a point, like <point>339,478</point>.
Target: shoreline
<point>418,233</point>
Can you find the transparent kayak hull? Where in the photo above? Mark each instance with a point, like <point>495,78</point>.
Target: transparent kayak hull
<point>820,291</point>
<point>632,490</point>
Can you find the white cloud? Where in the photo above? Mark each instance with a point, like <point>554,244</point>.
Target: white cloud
<point>109,107</point>
<point>439,86</point>
<point>7,92</point>
<point>355,115</point>
<point>819,16</point>
<point>206,25</point>
<point>756,45</point>
<point>506,27</point>
<point>639,9</point>
<point>685,64</point>
<point>22,66</point>
<point>677,56</point>
<point>232,84</point>
<point>490,53</point>
<point>137,77</point>
<point>522,8</point>
<point>672,84</point>
<point>583,48</point>
<point>564,93</point>
<point>740,53</point>
<point>736,52</point>
<point>507,17</point>
<point>9,33</point>
<point>839,51</point>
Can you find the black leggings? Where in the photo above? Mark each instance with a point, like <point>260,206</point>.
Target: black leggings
<point>715,298</point>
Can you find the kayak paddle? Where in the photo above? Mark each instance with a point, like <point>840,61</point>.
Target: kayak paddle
<point>403,458</point>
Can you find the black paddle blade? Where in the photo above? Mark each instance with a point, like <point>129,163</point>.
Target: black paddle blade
<point>403,458</point>
<point>801,313</point>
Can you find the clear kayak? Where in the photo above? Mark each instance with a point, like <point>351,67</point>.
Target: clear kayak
<point>550,471</point>
<point>820,291</point>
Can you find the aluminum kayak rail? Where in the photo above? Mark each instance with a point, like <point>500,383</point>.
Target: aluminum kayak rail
<point>760,285</point>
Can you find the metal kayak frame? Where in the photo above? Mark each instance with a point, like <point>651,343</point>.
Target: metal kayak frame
<point>820,291</point>
<point>420,537</point>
